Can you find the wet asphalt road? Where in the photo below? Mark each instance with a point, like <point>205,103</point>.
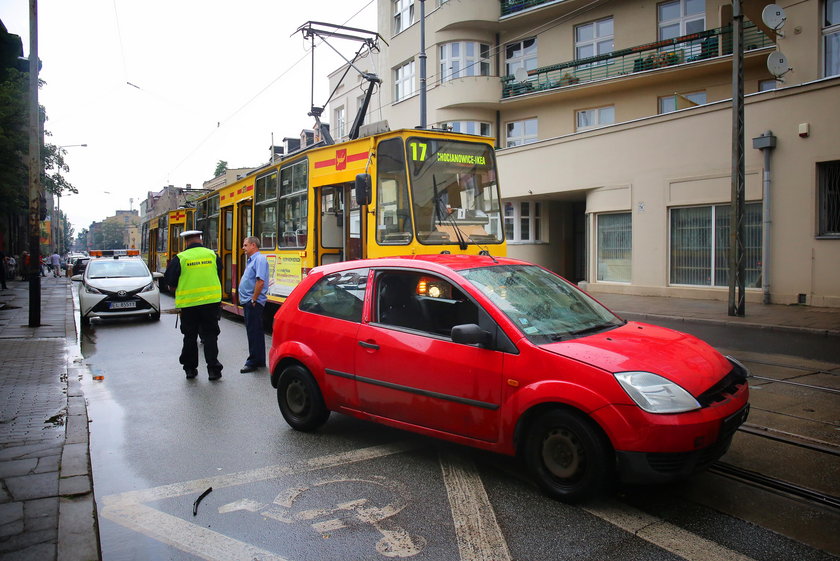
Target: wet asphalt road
<point>353,490</point>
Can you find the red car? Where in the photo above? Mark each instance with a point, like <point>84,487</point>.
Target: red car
<point>506,356</point>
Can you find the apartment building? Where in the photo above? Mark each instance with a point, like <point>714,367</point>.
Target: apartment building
<point>613,122</point>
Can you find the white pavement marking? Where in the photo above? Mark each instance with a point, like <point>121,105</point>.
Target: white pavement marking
<point>128,509</point>
<point>476,528</point>
<point>663,534</point>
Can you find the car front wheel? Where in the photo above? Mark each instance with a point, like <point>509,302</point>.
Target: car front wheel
<point>300,399</point>
<point>568,455</point>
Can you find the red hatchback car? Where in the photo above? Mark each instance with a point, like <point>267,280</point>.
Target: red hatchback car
<point>506,356</point>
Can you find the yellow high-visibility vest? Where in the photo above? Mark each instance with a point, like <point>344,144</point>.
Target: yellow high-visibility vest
<point>199,281</point>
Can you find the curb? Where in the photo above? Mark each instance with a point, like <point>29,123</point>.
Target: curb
<point>642,316</point>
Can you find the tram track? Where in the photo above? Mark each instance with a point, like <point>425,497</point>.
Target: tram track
<point>774,484</point>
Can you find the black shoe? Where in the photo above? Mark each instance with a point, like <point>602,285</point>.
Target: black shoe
<point>191,373</point>
<point>248,368</point>
<point>214,374</point>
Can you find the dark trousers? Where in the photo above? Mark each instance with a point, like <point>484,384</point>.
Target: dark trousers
<point>256,335</point>
<point>201,320</point>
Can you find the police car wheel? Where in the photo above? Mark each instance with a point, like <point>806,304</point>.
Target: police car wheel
<point>300,399</point>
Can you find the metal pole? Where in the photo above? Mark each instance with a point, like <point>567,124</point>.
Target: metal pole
<point>34,173</point>
<point>422,64</point>
<point>736,222</point>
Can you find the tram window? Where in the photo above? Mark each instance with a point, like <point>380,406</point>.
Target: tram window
<point>293,211</point>
<point>393,215</point>
<point>265,210</point>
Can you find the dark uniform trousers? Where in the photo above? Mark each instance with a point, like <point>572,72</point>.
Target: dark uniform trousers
<point>204,321</point>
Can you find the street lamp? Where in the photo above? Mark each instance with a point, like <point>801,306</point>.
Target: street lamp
<point>59,232</point>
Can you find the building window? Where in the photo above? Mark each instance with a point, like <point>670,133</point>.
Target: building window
<point>681,17</point>
<point>677,101</point>
<point>521,132</point>
<point>403,15</point>
<point>831,32</point>
<point>615,246</point>
<point>594,118</point>
<point>828,176</point>
<point>340,122</point>
<point>522,54</point>
<point>593,39</point>
<point>523,222</point>
<point>479,128</point>
<point>464,58</point>
<point>700,245</point>
<point>767,85</point>
<point>404,81</point>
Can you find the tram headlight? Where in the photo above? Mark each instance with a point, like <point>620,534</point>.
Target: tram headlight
<point>655,394</point>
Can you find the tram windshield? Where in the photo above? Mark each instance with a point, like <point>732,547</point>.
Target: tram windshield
<point>454,192</point>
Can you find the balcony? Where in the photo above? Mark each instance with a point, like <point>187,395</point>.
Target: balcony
<point>649,57</point>
<point>513,6</point>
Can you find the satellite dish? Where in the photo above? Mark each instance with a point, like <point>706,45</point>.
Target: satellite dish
<point>777,64</point>
<point>773,16</point>
<point>520,74</point>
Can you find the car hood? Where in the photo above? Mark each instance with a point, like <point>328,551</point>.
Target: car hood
<point>679,357</point>
<point>116,284</point>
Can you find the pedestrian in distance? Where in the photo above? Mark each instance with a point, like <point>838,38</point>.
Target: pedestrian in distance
<point>195,275</point>
<point>55,263</point>
<point>252,289</point>
<point>3,265</point>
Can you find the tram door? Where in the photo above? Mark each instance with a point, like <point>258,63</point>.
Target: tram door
<point>244,229</point>
<point>226,252</point>
<point>151,256</point>
<point>176,242</point>
<point>340,225</point>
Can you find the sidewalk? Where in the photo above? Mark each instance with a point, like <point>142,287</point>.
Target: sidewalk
<point>47,509</point>
<point>777,317</point>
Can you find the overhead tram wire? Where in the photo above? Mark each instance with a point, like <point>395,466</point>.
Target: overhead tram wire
<point>255,96</point>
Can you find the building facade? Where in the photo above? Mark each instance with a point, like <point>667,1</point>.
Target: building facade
<point>614,127</point>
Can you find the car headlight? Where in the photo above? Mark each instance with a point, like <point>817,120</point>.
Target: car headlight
<point>90,290</point>
<point>149,287</point>
<point>655,394</point>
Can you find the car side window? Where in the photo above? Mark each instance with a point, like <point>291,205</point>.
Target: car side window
<point>339,295</point>
<point>421,302</point>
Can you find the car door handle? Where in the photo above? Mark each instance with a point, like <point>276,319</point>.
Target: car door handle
<point>367,345</point>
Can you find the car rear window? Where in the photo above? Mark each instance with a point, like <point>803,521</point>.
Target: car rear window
<point>339,295</point>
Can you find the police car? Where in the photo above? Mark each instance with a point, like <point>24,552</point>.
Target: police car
<point>117,283</point>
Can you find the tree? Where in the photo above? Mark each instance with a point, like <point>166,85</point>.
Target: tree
<point>110,236</point>
<point>221,167</point>
<point>14,142</point>
<point>82,240</point>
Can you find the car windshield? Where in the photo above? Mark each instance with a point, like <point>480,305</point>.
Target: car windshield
<point>116,268</point>
<point>543,306</point>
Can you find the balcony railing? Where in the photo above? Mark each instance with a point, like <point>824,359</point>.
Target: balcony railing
<point>679,50</point>
<point>512,6</point>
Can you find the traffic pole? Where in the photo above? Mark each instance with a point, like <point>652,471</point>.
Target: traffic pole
<point>33,269</point>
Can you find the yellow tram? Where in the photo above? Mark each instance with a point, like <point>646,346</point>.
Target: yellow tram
<point>402,192</point>
<point>161,239</point>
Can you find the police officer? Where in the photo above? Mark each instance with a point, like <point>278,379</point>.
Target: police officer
<point>195,274</point>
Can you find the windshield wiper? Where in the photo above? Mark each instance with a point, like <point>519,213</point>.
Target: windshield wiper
<point>592,329</point>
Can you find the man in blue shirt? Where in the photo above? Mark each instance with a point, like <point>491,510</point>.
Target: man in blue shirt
<point>252,289</point>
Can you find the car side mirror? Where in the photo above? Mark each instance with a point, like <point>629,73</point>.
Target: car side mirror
<point>76,278</point>
<point>363,194</point>
<point>471,334</point>
<point>157,275</point>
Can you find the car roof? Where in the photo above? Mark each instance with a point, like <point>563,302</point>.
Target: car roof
<point>434,262</point>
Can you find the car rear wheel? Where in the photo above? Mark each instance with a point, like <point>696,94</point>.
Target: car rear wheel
<point>568,455</point>
<point>300,399</point>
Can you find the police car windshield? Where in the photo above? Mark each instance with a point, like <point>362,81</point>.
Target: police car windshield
<point>116,268</point>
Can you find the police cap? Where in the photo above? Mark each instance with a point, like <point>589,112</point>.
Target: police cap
<point>191,233</point>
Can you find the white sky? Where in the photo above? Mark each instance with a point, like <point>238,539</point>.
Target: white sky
<point>211,80</point>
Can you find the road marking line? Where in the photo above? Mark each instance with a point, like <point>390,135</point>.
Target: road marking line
<point>662,534</point>
<point>476,528</point>
<point>127,509</point>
